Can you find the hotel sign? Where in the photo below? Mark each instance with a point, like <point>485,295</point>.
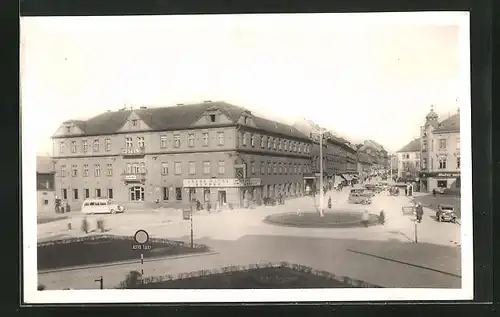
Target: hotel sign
<point>221,182</point>
<point>440,174</point>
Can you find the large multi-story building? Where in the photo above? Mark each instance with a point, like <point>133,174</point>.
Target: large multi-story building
<point>45,184</point>
<point>378,154</point>
<point>364,165</point>
<point>339,156</point>
<point>409,161</point>
<point>212,151</point>
<point>440,152</point>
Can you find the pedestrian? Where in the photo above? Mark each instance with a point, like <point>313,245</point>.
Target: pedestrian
<point>330,202</point>
<point>420,212</point>
<point>364,218</point>
<point>381,217</point>
<point>406,191</point>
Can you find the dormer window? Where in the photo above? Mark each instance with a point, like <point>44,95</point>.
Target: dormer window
<point>212,118</point>
<point>134,123</point>
<point>245,120</point>
<point>68,128</point>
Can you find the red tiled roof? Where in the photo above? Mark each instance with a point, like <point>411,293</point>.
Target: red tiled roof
<point>177,117</point>
<point>413,146</point>
<point>451,124</point>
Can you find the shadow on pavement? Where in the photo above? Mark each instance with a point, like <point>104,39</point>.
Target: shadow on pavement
<point>405,264</point>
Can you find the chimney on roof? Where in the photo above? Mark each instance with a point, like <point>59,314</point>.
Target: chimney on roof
<point>180,104</point>
<point>143,107</point>
<point>207,101</point>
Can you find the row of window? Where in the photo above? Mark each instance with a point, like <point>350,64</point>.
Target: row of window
<point>86,193</point>
<point>85,144</point>
<point>97,170</point>
<point>442,145</point>
<point>442,163</point>
<point>274,143</point>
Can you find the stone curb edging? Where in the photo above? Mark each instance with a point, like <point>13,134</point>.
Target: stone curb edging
<point>373,221</point>
<point>126,262</point>
<point>239,268</point>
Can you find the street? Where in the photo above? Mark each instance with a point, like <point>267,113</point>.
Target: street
<point>383,255</point>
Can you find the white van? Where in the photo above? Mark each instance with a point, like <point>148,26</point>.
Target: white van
<point>100,206</point>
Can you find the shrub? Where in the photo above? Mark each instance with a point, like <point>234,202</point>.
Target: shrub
<point>132,280</point>
<point>85,225</point>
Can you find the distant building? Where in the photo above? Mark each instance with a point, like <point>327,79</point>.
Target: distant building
<point>393,164</point>
<point>377,153</point>
<point>440,152</point>
<point>212,152</point>
<point>45,191</point>
<point>408,158</point>
<point>339,156</point>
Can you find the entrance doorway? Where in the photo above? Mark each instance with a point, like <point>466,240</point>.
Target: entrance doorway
<point>137,193</point>
<point>222,197</point>
<point>192,194</point>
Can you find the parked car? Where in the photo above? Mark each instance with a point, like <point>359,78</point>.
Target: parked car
<point>446,213</point>
<point>440,190</point>
<point>357,196</point>
<point>101,206</point>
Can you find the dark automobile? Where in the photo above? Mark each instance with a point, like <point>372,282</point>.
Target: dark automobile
<point>446,213</point>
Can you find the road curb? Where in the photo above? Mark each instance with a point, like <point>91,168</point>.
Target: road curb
<point>82,267</point>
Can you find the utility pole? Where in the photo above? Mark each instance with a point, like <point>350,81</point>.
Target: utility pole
<point>416,235</point>
<point>191,223</point>
<point>321,173</point>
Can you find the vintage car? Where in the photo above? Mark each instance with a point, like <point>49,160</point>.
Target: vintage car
<point>359,197</point>
<point>446,213</point>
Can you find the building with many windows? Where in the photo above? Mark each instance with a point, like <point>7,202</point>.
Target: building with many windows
<point>339,156</point>
<point>213,151</point>
<point>409,161</point>
<point>45,194</point>
<point>379,156</point>
<point>440,152</point>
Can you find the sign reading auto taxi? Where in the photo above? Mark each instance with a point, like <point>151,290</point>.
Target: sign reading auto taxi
<point>221,182</point>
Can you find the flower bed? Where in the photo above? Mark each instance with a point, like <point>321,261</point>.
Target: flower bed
<point>340,219</point>
<point>255,276</point>
<point>100,249</point>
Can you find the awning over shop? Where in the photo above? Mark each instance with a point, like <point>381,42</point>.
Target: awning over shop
<point>337,179</point>
<point>346,177</point>
<point>308,176</point>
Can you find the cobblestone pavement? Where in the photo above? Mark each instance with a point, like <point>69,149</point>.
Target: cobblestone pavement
<point>372,254</point>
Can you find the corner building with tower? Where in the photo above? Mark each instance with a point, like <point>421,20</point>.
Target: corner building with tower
<point>212,151</point>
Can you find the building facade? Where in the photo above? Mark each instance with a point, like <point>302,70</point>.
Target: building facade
<point>379,156</point>
<point>440,153</point>
<point>214,152</point>
<point>45,193</point>
<point>408,158</point>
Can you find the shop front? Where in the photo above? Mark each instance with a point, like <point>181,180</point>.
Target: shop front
<point>224,193</point>
<point>433,180</point>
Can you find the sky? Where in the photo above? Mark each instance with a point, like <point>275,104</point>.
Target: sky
<point>362,78</point>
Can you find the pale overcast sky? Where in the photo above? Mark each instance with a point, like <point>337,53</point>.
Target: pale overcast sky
<point>365,80</point>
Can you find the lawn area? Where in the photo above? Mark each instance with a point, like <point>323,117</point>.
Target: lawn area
<point>281,276</point>
<point>337,219</point>
<point>432,202</point>
<point>41,219</point>
<point>105,249</point>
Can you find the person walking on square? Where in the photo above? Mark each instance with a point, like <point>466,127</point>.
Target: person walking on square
<point>381,217</point>
<point>364,218</point>
<point>419,212</point>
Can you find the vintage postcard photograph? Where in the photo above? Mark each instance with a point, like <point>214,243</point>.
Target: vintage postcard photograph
<point>246,158</point>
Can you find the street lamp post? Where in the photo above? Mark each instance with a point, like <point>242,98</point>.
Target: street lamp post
<point>321,173</point>
<point>191,224</point>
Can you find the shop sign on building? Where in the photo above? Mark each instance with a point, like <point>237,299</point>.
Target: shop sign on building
<point>439,174</point>
<point>221,182</point>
